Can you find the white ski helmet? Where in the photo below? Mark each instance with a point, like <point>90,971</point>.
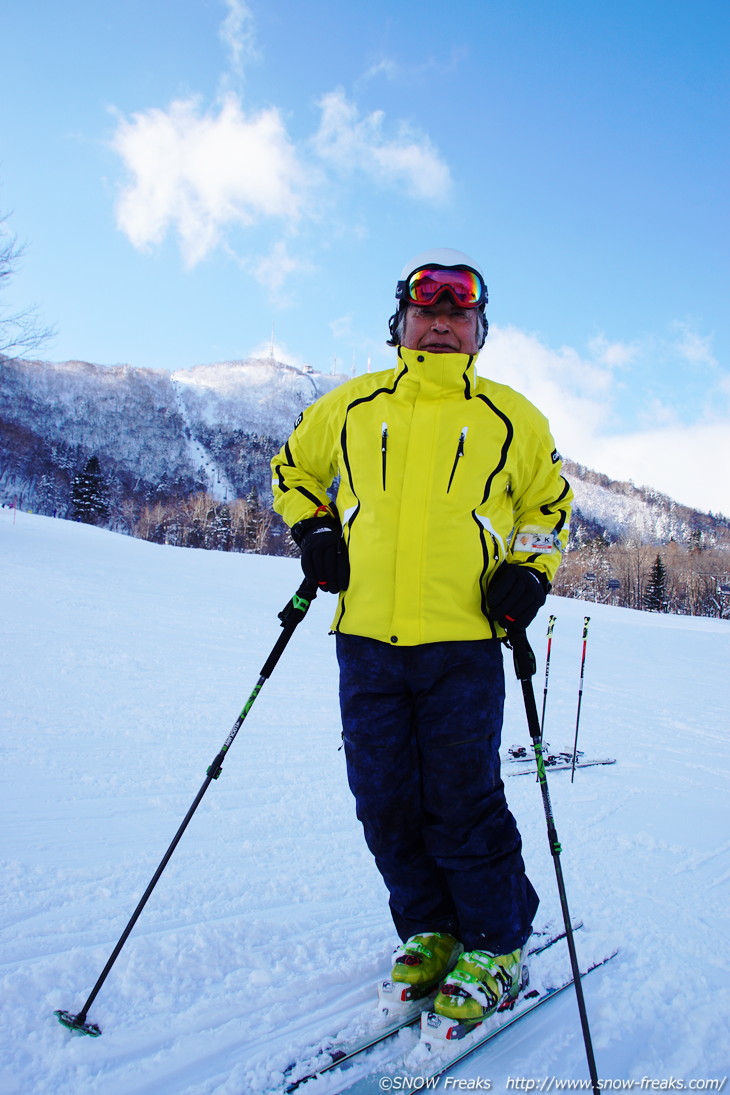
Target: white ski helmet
<point>440,256</point>
<point>446,257</point>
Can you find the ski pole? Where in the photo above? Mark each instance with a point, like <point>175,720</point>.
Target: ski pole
<point>551,625</point>
<point>586,621</point>
<point>291,615</point>
<point>525,668</point>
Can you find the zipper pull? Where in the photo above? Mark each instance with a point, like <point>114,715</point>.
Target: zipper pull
<point>384,449</point>
<point>459,454</point>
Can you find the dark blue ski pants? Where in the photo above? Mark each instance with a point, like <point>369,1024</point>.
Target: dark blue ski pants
<point>422,727</point>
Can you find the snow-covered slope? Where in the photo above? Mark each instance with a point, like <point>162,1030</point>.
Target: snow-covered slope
<point>125,665</point>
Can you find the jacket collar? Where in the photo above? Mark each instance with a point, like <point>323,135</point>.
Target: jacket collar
<point>439,374</point>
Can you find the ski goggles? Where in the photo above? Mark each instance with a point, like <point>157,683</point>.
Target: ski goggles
<point>426,285</point>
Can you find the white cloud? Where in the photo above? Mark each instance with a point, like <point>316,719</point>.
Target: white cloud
<point>353,144</point>
<point>690,461</point>
<point>273,269</point>
<point>385,67</point>
<point>693,347</point>
<point>237,34</point>
<point>574,393</point>
<point>341,327</point>
<point>199,172</point>
<point>612,353</point>
<point>658,412</point>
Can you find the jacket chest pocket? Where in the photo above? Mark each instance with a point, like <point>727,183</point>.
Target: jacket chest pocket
<point>473,470</point>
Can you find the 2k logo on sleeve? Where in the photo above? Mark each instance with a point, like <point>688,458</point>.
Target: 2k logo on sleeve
<point>541,542</point>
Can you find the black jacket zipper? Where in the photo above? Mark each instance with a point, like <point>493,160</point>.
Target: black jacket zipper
<point>457,458</point>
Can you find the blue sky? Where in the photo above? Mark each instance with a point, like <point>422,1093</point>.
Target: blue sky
<point>189,175</point>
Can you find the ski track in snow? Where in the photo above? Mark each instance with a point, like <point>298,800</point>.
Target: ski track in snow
<point>125,666</point>
<point>217,482</point>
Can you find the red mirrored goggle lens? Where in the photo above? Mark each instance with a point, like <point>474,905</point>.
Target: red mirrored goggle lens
<point>427,285</point>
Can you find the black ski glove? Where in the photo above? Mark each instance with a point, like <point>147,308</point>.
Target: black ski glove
<point>324,553</point>
<point>515,595</point>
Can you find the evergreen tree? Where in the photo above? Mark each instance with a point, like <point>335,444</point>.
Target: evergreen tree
<point>655,596</point>
<point>89,495</point>
<point>220,536</point>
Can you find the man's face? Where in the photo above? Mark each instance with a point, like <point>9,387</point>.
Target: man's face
<point>441,328</point>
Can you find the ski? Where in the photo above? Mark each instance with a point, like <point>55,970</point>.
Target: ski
<point>560,765</point>
<point>338,1054</point>
<point>342,1052</point>
<point>523,754</point>
<point>430,1068</point>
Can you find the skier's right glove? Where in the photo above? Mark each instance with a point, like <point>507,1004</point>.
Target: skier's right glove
<point>324,553</point>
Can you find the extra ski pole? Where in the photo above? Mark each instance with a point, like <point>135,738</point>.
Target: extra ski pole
<point>551,625</point>
<point>586,621</point>
<point>291,615</point>
<point>525,667</point>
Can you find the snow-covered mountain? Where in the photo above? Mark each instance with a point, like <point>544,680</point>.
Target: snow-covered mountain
<point>126,663</point>
<point>623,511</point>
<point>157,435</point>
<point>161,436</point>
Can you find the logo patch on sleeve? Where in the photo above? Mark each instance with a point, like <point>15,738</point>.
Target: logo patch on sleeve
<point>555,456</point>
<point>541,543</point>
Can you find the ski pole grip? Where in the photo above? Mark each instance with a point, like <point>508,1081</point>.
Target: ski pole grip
<point>291,616</point>
<point>522,655</point>
<point>299,604</point>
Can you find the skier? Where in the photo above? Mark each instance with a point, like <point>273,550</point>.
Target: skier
<point>449,523</point>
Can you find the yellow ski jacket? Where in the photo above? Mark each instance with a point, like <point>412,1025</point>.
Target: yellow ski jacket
<point>443,475</point>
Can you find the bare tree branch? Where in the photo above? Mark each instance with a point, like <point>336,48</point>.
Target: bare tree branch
<point>23,332</point>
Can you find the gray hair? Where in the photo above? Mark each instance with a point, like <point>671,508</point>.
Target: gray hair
<point>397,322</point>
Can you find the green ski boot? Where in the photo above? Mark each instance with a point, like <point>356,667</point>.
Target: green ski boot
<point>480,984</point>
<point>419,967</point>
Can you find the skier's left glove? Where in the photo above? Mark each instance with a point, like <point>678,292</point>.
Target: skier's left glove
<point>515,595</point>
